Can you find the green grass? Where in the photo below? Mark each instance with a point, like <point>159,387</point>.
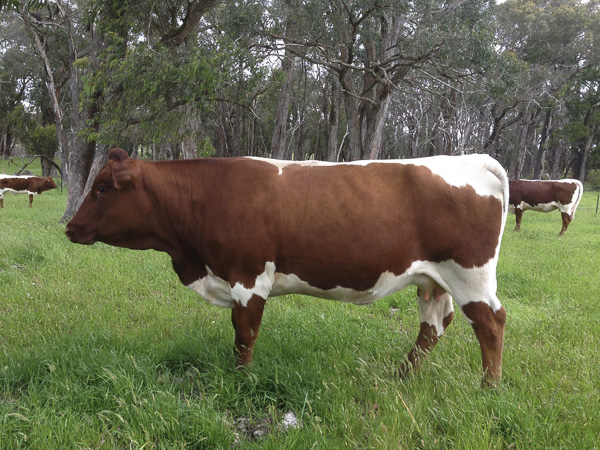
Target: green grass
<point>102,347</point>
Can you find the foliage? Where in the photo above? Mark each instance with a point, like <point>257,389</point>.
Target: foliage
<point>594,178</point>
<point>42,141</point>
<point>146,86</point>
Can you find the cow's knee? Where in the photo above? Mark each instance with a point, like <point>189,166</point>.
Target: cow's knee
<point>436,314</point>
<point>246,321</point>
<point>489,329</point>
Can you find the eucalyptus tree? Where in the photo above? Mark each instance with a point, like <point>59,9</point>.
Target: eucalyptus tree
<point>376,47</point>
<point>16,77</point>
<point>557,42</point>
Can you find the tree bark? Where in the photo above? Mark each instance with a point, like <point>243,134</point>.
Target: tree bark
<point>585,151</point>
<point>333,122</point>
<point>537,168</point>
<point>61,137</point>
<point>278,144</point>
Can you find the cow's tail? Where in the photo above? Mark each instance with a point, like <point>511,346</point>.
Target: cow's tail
<point>579,195</point>
<point>498,171</point>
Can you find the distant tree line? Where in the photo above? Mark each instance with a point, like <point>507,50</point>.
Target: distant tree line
<point>336,80</point>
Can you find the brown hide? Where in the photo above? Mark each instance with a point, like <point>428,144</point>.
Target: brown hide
<point>330,226</point>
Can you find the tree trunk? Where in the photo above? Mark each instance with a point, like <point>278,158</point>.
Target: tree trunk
<point>278,144</point>
<point>585,151</point>
<point>61,138</point>
<point>81,155</point>
<point>333,122</point>
<point>375,122</point>
<point>526,134</point>
<point>537,168</point>
<point>353,116</point>
<point>100,160</point>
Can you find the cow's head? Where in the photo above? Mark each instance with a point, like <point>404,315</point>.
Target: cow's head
<point>118,210</point>
<point>46,184</point>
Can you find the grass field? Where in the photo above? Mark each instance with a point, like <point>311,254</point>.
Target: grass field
<point>102,347</point>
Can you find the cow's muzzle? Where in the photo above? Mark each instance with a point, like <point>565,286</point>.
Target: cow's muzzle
<point>74,234</point>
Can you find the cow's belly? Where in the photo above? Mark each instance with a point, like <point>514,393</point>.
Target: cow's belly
<point>2,191</point>
<point>424,274</point>
<point>541,207</point>
<point>387,284</point>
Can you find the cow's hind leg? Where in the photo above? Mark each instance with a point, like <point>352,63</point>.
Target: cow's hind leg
<point>246,322</point>
<point>566,220</point>
<point>436,314</point>
<point>30,200</point>
<point>489,329</point>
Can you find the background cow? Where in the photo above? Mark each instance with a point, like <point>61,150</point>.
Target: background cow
<point>242,230</point>
<point>545,196</point>
<point>24,185</point>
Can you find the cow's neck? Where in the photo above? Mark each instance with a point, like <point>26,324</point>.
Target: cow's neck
<point>177,191</point>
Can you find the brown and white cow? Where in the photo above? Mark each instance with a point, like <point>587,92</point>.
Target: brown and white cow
<point>545,196</point>
<point>24,185</point>
<point>242,230</point>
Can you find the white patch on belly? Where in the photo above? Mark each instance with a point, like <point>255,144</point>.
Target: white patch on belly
<point>434,313</point>
<point>541,207</point>
<point>213,289</point>
<point>465,285</point>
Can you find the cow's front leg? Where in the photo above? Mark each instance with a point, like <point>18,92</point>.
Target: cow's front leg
<point>519,216</point>
<point>1,202</point>
<point>246,322</point>
<point>436,314</point>
<point>489,329</point>
<point>30,200</point>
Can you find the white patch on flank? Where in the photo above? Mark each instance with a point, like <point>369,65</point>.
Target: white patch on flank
<point>465,285</point>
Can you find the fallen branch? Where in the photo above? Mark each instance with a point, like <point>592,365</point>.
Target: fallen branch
<point>24,165</point>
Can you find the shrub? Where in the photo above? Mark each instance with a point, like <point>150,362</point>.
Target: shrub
<point>594,178</point>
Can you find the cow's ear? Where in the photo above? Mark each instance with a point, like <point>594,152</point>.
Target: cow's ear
<point>125,175</point>
<point>117,155</point>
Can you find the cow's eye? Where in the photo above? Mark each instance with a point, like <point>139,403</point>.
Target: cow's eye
<point>101,189</point>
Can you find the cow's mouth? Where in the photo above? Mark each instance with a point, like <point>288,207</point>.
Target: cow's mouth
<point>73,236</point>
